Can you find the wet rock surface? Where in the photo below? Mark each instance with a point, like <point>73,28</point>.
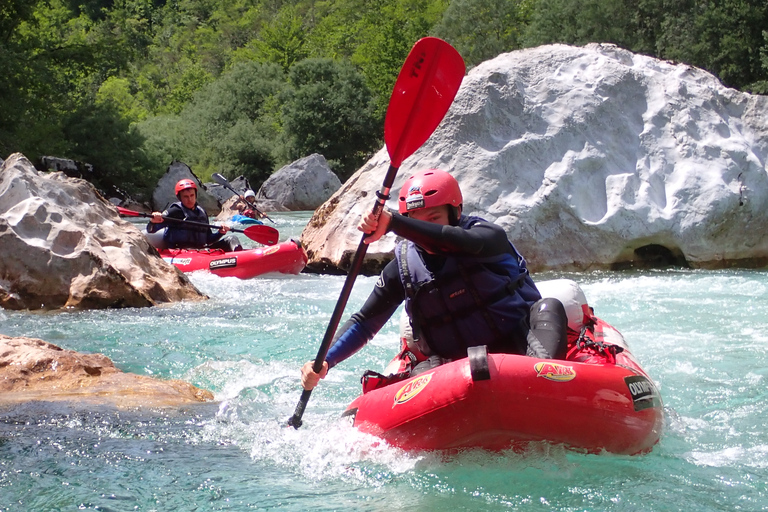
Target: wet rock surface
<point>35,370</point>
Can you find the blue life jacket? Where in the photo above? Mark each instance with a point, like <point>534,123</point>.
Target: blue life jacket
<point>469,302</point>
<point>178,235</point>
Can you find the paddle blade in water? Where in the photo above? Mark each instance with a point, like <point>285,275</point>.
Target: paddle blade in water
<point>424,90</point>
<point>266,235</point>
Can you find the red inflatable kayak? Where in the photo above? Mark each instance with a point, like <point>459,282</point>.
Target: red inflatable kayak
<point>286,257</point>
<point>597,399</point>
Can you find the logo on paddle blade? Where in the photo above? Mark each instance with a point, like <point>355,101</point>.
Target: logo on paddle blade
<point>554,371</point>
<point>412,389</point>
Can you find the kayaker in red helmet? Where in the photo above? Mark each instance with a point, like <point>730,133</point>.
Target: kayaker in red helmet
<point>463,282</point>
<point>186,236</point>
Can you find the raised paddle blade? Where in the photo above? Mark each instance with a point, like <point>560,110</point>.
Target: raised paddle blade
<point>221,180</point>
<point>266,235</point>
<point>415,111</point>
<point>129,213</point>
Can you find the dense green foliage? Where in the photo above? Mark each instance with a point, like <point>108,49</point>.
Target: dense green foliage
<point>329,110</point>
<point>245,86</point>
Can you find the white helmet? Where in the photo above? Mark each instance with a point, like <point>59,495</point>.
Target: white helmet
<point>250,193</point>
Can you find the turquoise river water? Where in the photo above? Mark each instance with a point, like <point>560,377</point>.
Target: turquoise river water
<point>701,335</point>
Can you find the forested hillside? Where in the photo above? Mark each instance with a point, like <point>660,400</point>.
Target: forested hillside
<point>245,86</point>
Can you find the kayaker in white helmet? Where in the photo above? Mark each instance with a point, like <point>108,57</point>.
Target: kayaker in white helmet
<point>246,205</point>
<point>463,282</point>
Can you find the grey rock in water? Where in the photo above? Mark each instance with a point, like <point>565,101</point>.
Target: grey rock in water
<point>302,185</point>
<point>63,246</point>
<point>590,158</point>
<point>164,194</point>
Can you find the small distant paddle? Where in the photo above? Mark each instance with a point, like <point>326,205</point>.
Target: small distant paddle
<point>266,235</point>
<point>224,182</point>
<point>424,90</point>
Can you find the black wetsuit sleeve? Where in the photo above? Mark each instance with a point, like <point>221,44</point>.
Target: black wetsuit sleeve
<point>480,239</point>
<point>381,304</point>
<point>214,236</point>
<point>173,212</point>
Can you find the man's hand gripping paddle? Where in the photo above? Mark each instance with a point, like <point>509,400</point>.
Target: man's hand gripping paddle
<point>262,234</point>
<point>423,92</point>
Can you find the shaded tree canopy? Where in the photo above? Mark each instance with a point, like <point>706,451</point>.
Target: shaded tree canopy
<point>329,110</point>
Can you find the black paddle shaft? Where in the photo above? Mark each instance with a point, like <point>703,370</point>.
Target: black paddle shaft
<point>357,262</point>
<point>192,223</point>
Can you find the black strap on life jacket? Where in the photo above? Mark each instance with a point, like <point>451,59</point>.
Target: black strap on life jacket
<point>407,281</point>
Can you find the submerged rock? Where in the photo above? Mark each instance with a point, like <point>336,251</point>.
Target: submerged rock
<point>62,245</point>
<point>590,158</point>
<point>34,370</point>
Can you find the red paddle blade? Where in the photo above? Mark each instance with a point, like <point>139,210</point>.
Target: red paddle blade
<point>266,235</point>
<point>127,212</point>
<point>423,92</point>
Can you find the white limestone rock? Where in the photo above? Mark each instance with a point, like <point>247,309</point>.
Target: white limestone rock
<point>62,245</point>
<point>590,158</point>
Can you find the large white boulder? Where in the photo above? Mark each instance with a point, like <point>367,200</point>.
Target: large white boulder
<point>589,157</point>
<point>62,245</point>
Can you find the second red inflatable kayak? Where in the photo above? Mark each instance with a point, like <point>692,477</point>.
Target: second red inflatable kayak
<point>286,257</point>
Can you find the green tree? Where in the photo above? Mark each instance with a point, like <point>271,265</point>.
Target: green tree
<point>579,22</point>
<point>100,136</point>
<point>164,141</point>
<point>502,22</point>
<point>724,37</point>
<point>117,92</point>
<point>282,40</point>
<point>230,125</point>
<point>376,36</point>
<point>761,85</point>
<point>329,110</point>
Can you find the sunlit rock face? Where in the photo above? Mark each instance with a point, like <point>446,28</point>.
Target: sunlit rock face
<point>62,245</point>
<point>590,158</point>
<point>32,369</point>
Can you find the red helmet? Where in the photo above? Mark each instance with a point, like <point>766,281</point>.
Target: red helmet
<point>429,188</point>
<point>185,184</point>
